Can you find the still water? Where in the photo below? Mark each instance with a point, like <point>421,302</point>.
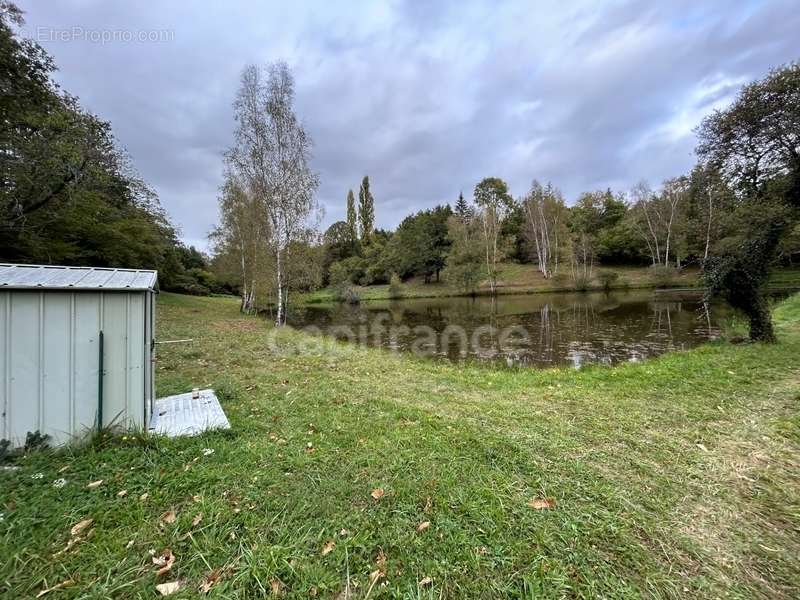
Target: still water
<point>537,330</point>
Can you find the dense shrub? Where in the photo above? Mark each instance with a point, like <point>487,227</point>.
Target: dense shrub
<point>581,283</point>
<point>395,286</point>
<point>607,279</point>
<point>350,270</point>
<point>662,276</point>
<point>347,293</point>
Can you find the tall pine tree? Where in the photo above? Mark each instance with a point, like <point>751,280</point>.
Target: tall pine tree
<point>352,217</point>
<point>463,210</point>
<point>366,210</point>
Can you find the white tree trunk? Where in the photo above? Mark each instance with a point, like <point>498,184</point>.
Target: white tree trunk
<point>279,320</point>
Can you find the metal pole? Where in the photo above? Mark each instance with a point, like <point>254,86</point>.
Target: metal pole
<point>100,383</point>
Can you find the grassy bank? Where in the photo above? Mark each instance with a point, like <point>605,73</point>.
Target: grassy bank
<point>515,278</point>
<point>677,477</point>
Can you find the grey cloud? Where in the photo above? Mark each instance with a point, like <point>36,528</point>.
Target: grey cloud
<point>426,98</point>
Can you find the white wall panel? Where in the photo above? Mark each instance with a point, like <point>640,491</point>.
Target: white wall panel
<point>135,353</point>
<point>25,337</point>
<point>5,356</point>
<point>85,343</point>
<point>56,399</point>
<point>115,344</point>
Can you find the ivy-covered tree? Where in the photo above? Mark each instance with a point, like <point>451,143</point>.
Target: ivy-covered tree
<point>755,145</point>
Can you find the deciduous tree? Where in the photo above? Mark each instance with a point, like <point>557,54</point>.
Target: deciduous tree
<point>755,144</point>
<point>366,210</point>
<point>494,201</point>
<point>271,155</point>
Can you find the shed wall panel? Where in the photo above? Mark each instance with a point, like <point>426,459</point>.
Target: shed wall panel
<point>25,368</point>
<point>85,363</point>
<point>115,344</point>
<point>56,400</point>
<point>135,363</point>
<point>5,355</point>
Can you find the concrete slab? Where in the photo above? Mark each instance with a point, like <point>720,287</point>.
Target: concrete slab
<point>182,415</point>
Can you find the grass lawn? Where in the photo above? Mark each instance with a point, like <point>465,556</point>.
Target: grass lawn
<point>677,477</point>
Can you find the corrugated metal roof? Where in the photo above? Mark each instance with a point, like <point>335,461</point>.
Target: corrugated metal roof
<point>75,278</point>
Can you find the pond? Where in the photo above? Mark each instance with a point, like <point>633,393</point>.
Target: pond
<point>537,330</point>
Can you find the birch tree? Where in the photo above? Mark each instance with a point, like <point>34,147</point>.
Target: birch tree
<point>241,240</point>
<point>271,155</point>
<point>545,212</point>
<point>647,219</point>
<point>494,201</point>
<point>672,197</point>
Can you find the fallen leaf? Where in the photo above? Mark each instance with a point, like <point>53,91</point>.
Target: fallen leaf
<point>423,526</point>
<point>58,586</point>
<point>328,547</point>
<point>144,497</point>
<point>380,562</point>
<point>129,545</point>
<point>377,493</point>
<point>196,498</point>
<point>542,503</point>
<point>169,517</point>
<point>165,589</point>
<point>70,543</point>
<point>209,581</point>
<point>164,561</point>
<point>122,493</point>
<point>425,581</point>
<point>95,484</point>
<point>276,587</point>
<point>343,532</point>
<point>702,447</point>
<point>80,526</point>
<point>197,519</point>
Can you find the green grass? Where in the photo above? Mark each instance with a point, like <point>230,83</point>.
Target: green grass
<point>675,478</point>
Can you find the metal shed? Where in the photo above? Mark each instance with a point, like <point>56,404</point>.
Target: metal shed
<point>76,350</point>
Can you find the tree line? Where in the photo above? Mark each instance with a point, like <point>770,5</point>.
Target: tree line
<point>68,193</point>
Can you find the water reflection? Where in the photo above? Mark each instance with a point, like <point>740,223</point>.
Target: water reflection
<point>534,330</point>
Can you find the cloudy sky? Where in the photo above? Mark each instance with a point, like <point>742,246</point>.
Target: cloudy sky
<point>427,98</point>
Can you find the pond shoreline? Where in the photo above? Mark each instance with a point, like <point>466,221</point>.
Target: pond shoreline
<point>637,279</point>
